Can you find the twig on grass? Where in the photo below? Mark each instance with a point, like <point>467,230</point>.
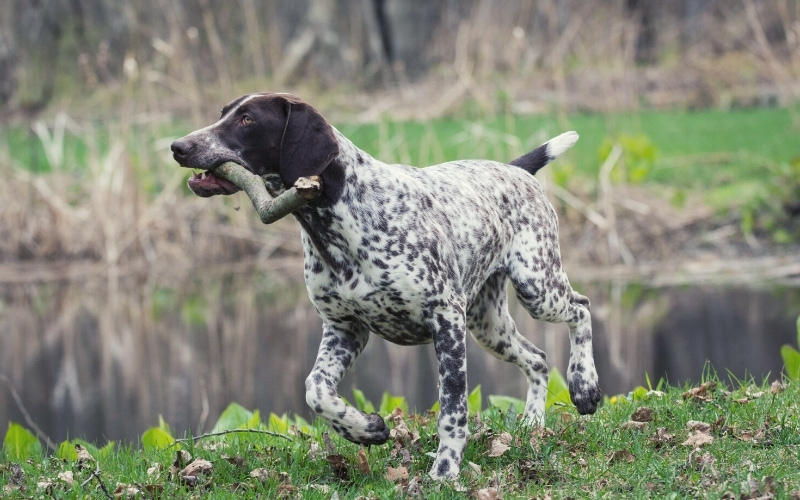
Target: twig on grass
<point>231,431</point>
<point>96,474</point>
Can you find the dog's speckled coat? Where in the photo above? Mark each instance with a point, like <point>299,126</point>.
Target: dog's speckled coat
<point>413,255</point>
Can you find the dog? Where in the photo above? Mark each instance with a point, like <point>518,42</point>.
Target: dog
<point>413,255</point>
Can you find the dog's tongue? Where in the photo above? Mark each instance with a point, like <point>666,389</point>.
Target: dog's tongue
<point>206,184</point>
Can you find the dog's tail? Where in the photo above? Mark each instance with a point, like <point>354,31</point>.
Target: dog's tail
<point>547,152</point>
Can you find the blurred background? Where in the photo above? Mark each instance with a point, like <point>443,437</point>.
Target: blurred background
<point>124,297</point>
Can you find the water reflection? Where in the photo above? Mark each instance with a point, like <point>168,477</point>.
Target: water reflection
<point>103,358</point>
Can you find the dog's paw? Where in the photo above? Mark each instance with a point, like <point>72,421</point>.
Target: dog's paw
<point>376,432</point>
<point>585,395</point>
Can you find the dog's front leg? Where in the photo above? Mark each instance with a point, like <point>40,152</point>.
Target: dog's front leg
<point>337,352</point>
<point>451,354</point>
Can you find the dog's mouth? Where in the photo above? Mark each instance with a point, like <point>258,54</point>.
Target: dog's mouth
<point>206,184</point>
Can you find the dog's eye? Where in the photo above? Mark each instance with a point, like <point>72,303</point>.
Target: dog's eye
<point>247,120</point>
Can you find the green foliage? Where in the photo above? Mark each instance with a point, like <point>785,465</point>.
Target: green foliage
<point>504,403</point>
<point>235,416</point>
<point>557,390</point>
<point>389,403</point>
<point>639,154</point>
<point>791,357</point>
<point>474,402</point>
<point>20,443</point>
<point>362,403</point>
<point>765,208</point>
<point>158,438</point>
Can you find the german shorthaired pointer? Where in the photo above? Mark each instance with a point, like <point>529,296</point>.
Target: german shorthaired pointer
<point>413,255</point>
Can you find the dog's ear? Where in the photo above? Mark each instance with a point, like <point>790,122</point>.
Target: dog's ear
<point>308,144</point>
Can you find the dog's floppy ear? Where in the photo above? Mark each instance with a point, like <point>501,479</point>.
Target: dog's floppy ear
<point>308,144</point>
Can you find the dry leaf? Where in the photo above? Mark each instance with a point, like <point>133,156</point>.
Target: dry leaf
<point>339,465</point>
<point>621,456</point>
<point>330,448</point>
<point>700,393</point>
<point>127,491</point>
<point>315,452</point>
<point>261,474</point>
<point>698,439</point>
<point>500,445</point>
<point>363,463</point>
<point>182,457</point>
<point>696,425</point>
<point>642,414</point>
<point>66,477</point>
<point>397,474</point>
<point>85,459</point>
<point>487,494</point>
<point>286,490</point>
<point>776,387</point>
<point>662,437</point>
<point>191,474</point>
<point>633,425</point>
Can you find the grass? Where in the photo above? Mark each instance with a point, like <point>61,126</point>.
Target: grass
<point>751,450</point>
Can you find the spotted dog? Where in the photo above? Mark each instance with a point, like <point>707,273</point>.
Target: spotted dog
<point>415,256</point>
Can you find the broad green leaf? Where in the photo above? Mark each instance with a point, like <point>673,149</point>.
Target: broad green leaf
<point>436,407</point>
<point>233,417</point>
<point>278,424</point>
<point>504,402</point>
<point>254,422</point>
<point>475,401</point>
<point>106,451</point>
<point>638,393</point>
<point>302,424</point>
<point>362,403</point>
<point>66,451</point>
<point>557,390</point>
<point>20,443</point>
<point>791,358</point>
<point>389,403</point>
<point>163,425</point>
<point>156,438</point>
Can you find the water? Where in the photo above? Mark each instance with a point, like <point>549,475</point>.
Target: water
<point>102,358</point>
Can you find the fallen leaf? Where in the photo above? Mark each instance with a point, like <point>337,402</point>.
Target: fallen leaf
<point>700,393</point>
<point>127,491</point>
<point>396,474</point>
<point>66,477</point>
<point>182,457</point>
<point>192,473</point>
<point>315,451</point>
<point>85,459</point>
<point>698,439</point>
<point>330,447</point>
<point>363,463</point>
<point>260,474</point>
<point>621,456</point>
<point>776,387</point>
<point>340,465</point>
<point>662,437</point>
<point>633,425</point>
<point>642,414</point>
<point>487,494</point>
<point>500,445</point>
<point>286,490</point>
<point>696,425</point>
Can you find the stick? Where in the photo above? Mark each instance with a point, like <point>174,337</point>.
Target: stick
<point>221,433</point>
<point>270,210</point>
<point>25,414</point>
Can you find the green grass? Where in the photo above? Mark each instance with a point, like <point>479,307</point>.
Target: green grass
<point>755,452</point>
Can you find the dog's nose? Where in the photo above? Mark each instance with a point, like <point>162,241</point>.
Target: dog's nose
<point>181,147</point>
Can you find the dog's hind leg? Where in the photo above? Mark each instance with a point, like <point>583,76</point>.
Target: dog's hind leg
<point>337,352</point>
<point>543,288</point>
<point>491,325</point>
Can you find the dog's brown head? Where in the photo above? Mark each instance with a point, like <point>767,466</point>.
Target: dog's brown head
<point>265,133</point>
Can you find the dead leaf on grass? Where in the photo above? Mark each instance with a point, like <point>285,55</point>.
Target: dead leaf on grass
<point>633,425</point>
<point>701,393</point>
<point>127,491</point>
<point>66,477</point>
<point>697,425</point>
<point>85,459</point>
<point>487,494</point>
<point>192,473</point>
<point>662,437</point>
<point>621,456</point>
<point>396,474</point>
<point>260,474</point>
<point>363,463</point>
<point>698,439</point>
<point>500,444</point>
<point>776,387</point>
<point>340,466</point>
<point>642,414</point>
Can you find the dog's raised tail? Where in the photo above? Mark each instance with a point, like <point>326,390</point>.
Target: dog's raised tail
<point>547,152</point>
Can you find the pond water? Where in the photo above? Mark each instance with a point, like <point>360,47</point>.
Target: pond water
<point>102,358</point>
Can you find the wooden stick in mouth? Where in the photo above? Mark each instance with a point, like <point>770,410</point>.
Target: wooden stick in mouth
<point>270,209</point>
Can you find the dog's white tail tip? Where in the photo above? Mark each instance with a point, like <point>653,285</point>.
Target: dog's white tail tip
<point>559,144</point>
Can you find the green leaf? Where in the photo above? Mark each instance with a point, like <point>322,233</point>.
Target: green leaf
<point>20,443</point>
<point>66,451</point>
<point>362,403</point>
<point>638,393</point>
<point>278,424</point>
<point>511,417</point>
<point>389,403</point>
<point>106,451</point>
<point>156,438</point>
<point>791,358</point>
<point>504,402</point>
<point>436,407</point>
<point>557,390</point>
<point>475,401</point>
<point>254,422</point>
<point>233,417</point>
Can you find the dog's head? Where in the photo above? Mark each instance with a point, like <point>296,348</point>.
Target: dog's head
<point>268,134</point>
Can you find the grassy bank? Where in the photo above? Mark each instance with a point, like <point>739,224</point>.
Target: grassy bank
<point>710,441</point>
